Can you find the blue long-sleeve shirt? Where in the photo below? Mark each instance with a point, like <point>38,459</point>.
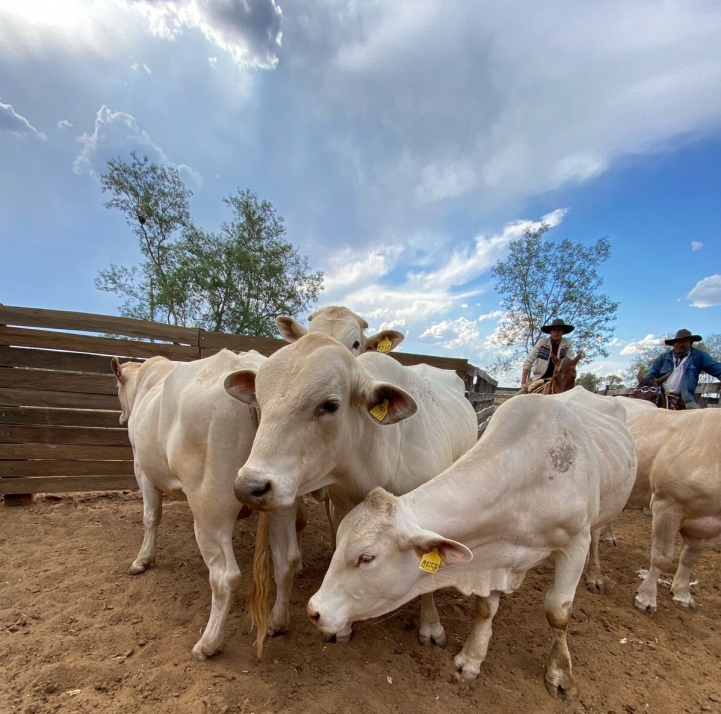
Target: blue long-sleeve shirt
<point>698,361</point>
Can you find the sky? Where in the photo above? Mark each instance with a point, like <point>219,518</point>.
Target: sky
<point>405,144</point>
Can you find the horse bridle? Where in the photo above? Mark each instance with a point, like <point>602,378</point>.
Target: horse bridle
<point>660,394</point>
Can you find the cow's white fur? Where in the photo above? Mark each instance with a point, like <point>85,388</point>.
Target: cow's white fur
<point>545,475</point>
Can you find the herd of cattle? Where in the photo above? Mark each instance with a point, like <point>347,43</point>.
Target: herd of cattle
<point>416,502</point>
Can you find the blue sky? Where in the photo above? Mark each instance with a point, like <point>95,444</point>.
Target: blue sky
<point>404,143</point>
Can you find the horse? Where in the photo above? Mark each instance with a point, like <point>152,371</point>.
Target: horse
<point>563,379</point>
<point>651,390</point>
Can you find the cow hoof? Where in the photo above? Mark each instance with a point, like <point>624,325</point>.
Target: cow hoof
<point>687,604</point>
<point>137,568</point>
<point>438,640</point>
<point>597,586</point>
<point>199,654</point>
<point>610,541</point>
<point>642,605</point>
<point>561,685</point>
<point>275,630</point>
<point>466,671</point>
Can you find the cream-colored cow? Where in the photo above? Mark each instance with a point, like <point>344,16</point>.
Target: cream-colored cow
<point>545,475</point>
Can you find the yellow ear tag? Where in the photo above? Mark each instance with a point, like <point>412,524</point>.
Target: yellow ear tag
<point>385,345</point>
<point>379,411</point>
<point>430,562</point>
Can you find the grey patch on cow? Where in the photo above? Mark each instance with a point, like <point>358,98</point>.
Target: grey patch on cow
<point>562,457</point>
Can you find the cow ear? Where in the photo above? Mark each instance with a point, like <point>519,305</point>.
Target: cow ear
<point>386,403</point>
<point>290,329</point>
<point>384,336</point>
<point>117,369</point>
<point>660,380</point>
<point>241,385</point>
<point>451,551</point>
<point>577,358</point>
<point>555,359</point>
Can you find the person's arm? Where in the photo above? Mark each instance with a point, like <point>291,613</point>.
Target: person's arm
<point>655,370</point>
<point>528,363</point>
<point>569,349</point>
<point>710,365</point>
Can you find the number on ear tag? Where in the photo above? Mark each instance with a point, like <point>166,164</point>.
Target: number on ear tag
<point>384,345</point>
<point>430,562</point>
<point>379,411</point>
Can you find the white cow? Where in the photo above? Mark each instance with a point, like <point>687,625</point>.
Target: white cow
<point>331,421</point>
<point>542,478</point>
<point>189,438</point>
<point>680,460</point>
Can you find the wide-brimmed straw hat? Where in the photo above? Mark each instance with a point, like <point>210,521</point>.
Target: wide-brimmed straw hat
<point>683,335</point>
<point>558,322</point>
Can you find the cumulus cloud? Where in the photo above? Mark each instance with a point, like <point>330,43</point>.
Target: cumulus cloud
<point>633,348</point>
<point>248,30</point>
<point>117,133</point>
<point>16,124</point>
<point>696,245</point>
<point>706,292</point>
<point>64,124</point>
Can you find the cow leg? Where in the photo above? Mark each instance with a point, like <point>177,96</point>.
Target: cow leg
<point>152,511</point>
<point>607,534</point>
<point>431,630</point>
<point>301,521</point>
<point>594,578</point>
<point>330,515</point>
<point>469,660</point>
<point>666,522</point>
<point>568,567</point>
<point>214,533</point>
<point>283,541</point>
<point>681,585</point>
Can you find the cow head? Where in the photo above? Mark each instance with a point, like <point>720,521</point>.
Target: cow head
<point>127,378</point>
<point>343,324</point>
<point>375,567</point>
<point>316,400</point>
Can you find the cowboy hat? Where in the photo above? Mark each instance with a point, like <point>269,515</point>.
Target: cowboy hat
<point>558,322</point>
<point>683,335</point>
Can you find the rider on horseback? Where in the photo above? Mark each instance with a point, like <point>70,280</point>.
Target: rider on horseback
<point>684,363</point>
<point>541,353</point>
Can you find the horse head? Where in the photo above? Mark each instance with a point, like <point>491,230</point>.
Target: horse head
<point>564,374</point>
<point>651,390</point>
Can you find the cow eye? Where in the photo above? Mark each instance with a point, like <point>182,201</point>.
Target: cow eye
<point>329,407</point>
<point>365,558</point>
<point>356,345</point>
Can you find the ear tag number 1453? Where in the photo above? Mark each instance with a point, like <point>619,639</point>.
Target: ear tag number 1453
<point>430,562</point>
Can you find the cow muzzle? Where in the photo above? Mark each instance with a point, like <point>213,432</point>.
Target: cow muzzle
<point>252,492</point>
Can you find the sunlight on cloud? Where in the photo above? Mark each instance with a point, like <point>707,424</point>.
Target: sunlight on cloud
<point>16,124</point>
<point>706,292</point>
<point>696,245</point>
<point>633,348</point>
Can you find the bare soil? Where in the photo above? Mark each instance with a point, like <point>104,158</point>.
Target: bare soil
<point>79,635</point>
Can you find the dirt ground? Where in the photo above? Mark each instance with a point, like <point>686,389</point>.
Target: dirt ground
<point>79,635</point>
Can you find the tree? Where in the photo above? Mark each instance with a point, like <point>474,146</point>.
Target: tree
<point>237,280</point>
<point>589,381</point>
<point>613,381</point>
<point>541,280</point>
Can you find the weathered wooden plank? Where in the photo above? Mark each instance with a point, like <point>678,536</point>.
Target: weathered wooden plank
<point>65,452</point>
<point>87,322</point>
<point>13,434</point>
<point>239,343</point>
<point>69,400</point>
<point>20,337</point>
<point>38,416</point>
<point>57,361</point>
<point>66,484</point>
<point>59,381</point>
<point>33,467</point>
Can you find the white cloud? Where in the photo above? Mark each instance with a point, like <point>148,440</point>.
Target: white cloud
<point>633,348</point>
<point>248,30</point>
<point>16,124</point>
<point>118,133</point>
<point>696,245</point>
<point>137,67</point>
<point>64,124</point>
<point>706,292</point>
<point>495,314</point>
<point>348,270</point>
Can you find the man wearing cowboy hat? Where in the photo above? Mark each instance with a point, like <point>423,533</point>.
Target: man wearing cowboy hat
<point>556,344</point>
<point>685,363</point>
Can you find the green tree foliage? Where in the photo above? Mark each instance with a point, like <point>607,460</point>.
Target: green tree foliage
<point>541,280</point>
<point>644,358</point>
<point>236,280</point>
<point>589,381</point>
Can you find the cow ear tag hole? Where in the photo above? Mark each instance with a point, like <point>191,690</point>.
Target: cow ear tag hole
<point>430,562</point>
<point>379,411</point>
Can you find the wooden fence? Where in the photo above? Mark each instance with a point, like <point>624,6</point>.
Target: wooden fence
<point>59,411</point>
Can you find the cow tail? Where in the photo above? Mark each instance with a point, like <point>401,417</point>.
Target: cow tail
<point>258,599</point>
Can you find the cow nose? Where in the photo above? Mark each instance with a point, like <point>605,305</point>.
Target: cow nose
<point>314,616</point>
<point>251,491</point>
